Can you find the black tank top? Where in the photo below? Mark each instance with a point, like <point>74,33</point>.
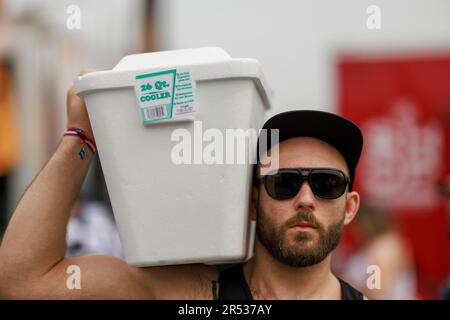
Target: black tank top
<point>233,286</point>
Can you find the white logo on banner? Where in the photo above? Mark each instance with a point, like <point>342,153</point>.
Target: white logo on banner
<point>404,158</point>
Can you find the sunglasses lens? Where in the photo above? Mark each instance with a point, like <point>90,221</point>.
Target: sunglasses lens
<point>328,184</point>
<point>282,185</point>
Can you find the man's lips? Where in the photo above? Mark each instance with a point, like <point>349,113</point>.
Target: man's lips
<point>304,224</point>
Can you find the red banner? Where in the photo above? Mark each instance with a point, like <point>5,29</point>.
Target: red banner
<point>402,105</point>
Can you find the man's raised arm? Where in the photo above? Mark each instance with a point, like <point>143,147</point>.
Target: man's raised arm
<point>32,263</point>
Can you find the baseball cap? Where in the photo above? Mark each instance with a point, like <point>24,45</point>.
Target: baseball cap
<point>337,131</point>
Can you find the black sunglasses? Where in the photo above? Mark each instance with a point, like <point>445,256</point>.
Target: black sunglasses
<point>325,183</point>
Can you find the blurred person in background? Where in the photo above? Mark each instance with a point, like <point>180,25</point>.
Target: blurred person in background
<point>444,190</point>
<point>91,230</point>
<point>380,244</point>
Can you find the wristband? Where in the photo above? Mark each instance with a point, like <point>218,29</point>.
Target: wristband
<point>73,131</point>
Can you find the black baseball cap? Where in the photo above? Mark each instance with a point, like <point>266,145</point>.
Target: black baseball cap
<point>337,131</point>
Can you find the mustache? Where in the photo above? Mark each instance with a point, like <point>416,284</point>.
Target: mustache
<point>303,215</point>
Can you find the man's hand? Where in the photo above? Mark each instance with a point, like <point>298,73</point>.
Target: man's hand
<point>77,115</point>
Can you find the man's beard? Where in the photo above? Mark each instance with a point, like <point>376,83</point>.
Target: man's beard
<point>305,250</point>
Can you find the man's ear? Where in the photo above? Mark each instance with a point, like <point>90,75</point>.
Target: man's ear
<point>351,206</point>
<point>253,202</point>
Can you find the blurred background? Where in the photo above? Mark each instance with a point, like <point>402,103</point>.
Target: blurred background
<point>383,64</point>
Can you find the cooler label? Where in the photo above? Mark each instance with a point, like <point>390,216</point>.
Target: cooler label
<point>168,94</point>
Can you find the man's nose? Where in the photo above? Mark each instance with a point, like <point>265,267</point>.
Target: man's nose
<point>305,198</point>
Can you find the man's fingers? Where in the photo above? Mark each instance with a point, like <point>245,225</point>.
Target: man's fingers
<point>71,93</point>
<point>86,71</point>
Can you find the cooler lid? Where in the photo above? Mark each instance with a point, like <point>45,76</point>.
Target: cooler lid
<point>172,57</point>
<point>207,63</point>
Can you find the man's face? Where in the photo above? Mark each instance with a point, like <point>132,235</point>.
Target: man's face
<point>303,230</point>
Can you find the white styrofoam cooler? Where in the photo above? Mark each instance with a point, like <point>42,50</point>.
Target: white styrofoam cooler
<point>168,213</point>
